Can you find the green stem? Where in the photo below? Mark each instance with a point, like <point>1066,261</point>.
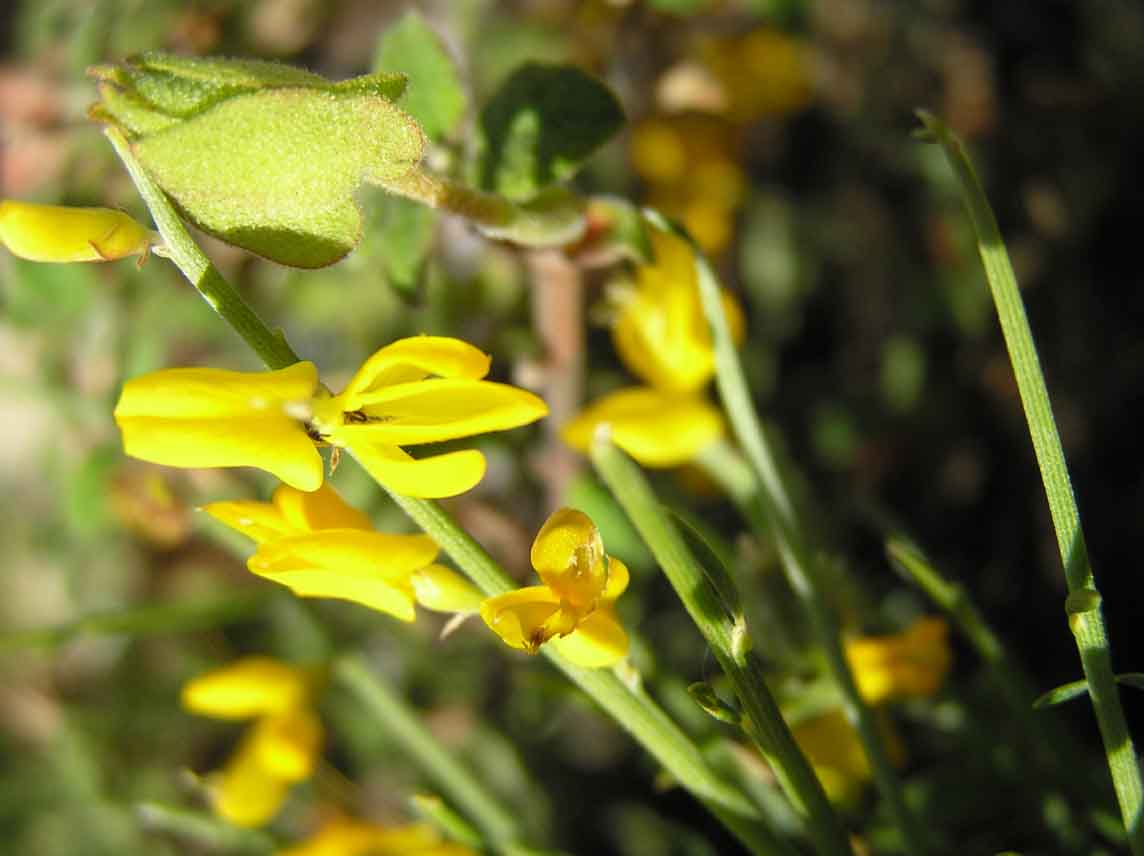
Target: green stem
<point>554,219</point>
<point>497,823</point>
<point>773,516</point>
<point>631,708</point>
<point>219,294</point>
<point>203,830</point>
<point>149,620</point>
<point>1083,604</point>
<point>726,635</point>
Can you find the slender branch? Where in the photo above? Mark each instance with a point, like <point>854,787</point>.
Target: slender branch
<point>499,825</point>
<point>631,708</point>
<point>553,219</point>
<point>772,515</point>
<point>219,294</point>
<point>726,635</point>
<point>1083,604</point>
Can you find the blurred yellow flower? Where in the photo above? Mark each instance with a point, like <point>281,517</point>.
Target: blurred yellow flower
<point>424,389</point>
<point>279,749</point>
<point>197,417</point>
<point>912,664</point>
<point>834,749</point>
<point>658,429</point>
<point>661,333</point>
<point>765,72</point>
<point>574,608</point>
<point>57,233</point>
<point>344,836</point>
<point>318,546</point>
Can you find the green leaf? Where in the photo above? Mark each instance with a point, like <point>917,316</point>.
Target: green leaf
<point>435,96</point>
<point>1063,693</point>
<point>540,127</point>
<point>406,235</point>
<point>275,171</point>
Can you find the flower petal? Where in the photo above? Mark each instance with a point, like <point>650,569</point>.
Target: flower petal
<point>413,359</point>
<point>244,792</point>
<point>200,393</point>
<point>259,521</point>
<point>434,477</point>
<point>518,617</point>
<point>288,744</point>
<point>319,509</point>
<point>618,578</point>
<point>430,411</point>
<point>658,429</point>
<point>251,686</point>
<point>274,443</point>
<point>568,554</point>
<point>444,590</point>
<point>56,233</point>
<point>598,641</point>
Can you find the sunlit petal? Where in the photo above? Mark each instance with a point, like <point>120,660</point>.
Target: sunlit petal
<point>319,509</point>
<point>444,590</point>
<point>259,521</point>
<point>658,429</point>
<point>518,617</point>
<point>568,554</point>
<point>412,359</point>
<point>618,578</point>
<point>55,233</point>
<point>430,411</point>
<point>598,641</point>
<point>252,686</point>
<point>432,477</point>
<point>203,393</point>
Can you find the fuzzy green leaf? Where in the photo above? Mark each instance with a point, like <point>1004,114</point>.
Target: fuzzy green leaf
<point>540,127</point>
<point>435,96</point>
<point>275,171</point>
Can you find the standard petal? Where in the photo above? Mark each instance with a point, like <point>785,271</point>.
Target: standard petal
<point>271,442</point>
<point>56,233</point>
<point>618,578</point>
<point>287,744</point>
<point>430,411</point>
<point>319,509</point>
<point>259,521</point>
<point>244,792</point>
<point>444,590</point>
<point>435,477</point>
<point>518,617</point>
<point>351,552</point>
<point>252,686</point>
<point>200,393</point>
<point>568,554</point>
<point>413,359</point>
<point>598,641</point>
<point>658,429</point>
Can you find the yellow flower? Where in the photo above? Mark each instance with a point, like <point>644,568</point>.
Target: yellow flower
<point>764,73</point>
<point>344,836</point>
<point>834,749</point>
<point>419,390</point>
<point>193,417</point>
<point>279,749</point>
<point>575,606</point>
<point>912,664</point>
<point>318,546</point>
<point>424,389</point>
<point>658,429</point>
<point>56,233</point>
<point>661,332</point>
